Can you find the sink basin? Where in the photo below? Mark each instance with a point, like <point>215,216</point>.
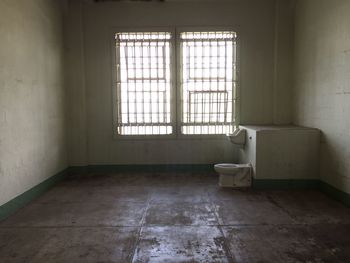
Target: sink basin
<point>238,136</point>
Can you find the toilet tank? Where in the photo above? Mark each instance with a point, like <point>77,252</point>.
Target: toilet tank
<point>282,152</point>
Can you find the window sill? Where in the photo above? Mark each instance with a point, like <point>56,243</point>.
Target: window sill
<point>170,137</point>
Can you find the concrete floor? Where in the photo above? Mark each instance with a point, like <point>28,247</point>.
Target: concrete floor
<point>168,217</point>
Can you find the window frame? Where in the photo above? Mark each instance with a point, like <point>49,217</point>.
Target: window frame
<point>175,81</point>
<point>115,87</point>
<point>180,30</point>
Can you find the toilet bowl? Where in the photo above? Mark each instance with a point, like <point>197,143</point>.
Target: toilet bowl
<point>234,175</point>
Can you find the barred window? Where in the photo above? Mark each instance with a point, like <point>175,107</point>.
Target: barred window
<point>207,82</point>
<point>143,85</point>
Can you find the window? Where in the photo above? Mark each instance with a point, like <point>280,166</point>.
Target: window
<point>207,83</point>
<point>143,83</point>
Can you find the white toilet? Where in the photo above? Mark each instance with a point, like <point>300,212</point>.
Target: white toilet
<point>234,175</point>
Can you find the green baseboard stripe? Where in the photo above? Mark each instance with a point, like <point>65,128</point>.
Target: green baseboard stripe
<point>288,184</point>
<point>259,184</point>
<point>335,193</point>
<point>295,184</point>
<point>13,205</point>
<point>78,170</point>
<point>141,168</point>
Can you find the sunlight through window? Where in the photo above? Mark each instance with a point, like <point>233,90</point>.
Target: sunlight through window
<point>208,65</point>
<point>143,83</point>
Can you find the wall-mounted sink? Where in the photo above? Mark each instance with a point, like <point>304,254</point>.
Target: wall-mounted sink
<point>238,136</point>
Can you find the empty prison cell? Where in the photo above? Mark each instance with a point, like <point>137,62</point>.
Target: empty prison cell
<point>173,131</point>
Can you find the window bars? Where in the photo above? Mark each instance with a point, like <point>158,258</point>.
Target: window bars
<point>208,81</point>
<point>143,83</point>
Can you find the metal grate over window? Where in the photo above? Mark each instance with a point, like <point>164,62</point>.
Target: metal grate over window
<point>208,82</point>
<point>143,83</point>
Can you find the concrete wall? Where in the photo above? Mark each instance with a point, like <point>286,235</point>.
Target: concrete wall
<point>32,110</point>
<point>282,152</point>
<point>91,60</point>
<point>287,153</point>
<point>283,66</point>
<point>75,83</point>
<point>322,82</point>
<point>247,153</point>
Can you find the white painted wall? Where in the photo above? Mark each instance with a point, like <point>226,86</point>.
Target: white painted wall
<point>287,153</point>
<point>75,83</point>
<point>283,66</point>
<point>322,82</point>
<point>247,153</point>
<point>282,152</point>
<point>91,60</point>
<point>32,110</point>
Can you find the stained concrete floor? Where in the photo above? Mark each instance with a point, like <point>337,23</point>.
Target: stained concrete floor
<point>179,217</point>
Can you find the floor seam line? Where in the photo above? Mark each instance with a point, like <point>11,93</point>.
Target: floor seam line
<point>227,248</point>
<point>137,242</point>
